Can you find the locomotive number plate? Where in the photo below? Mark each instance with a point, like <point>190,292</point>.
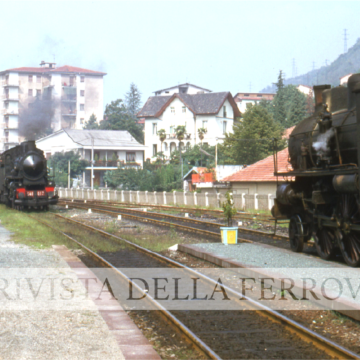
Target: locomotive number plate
<point>30,193</point>
<point>40,193</point>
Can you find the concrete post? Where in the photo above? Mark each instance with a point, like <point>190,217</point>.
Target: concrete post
<point>243,201</point>
<point>108,194</point>
<point>66,192</point>
<point>146,197</point>
<point>269,201</point>
<point>195,198</point>
<point>115,195</point>
<point>206,199</point>
<point>94,192</point>
<point>174,194</point>
<point>82,194</point>
<point>88,193</point>
<point>218,199</point>
<point>130,195</point>
<point>155,198</point>
<point>256,201</point>
<point>122,196</point>
<point>164,197</point>
<point>185,200</point>
<point>101,195</point>
<point>138,197</point>
<point>71,193</point>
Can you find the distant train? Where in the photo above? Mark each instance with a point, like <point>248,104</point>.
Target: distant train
<point>324,199</point>
<point>24,181</point>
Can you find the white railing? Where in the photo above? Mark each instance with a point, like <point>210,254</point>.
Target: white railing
<point>214,200</point>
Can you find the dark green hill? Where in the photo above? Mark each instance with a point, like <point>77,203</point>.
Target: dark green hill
<point>331,74</point>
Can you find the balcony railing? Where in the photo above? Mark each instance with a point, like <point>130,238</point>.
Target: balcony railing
<point>10,97</point>
<point>68,84</point>
<point>71,113</point>
<point>104,163</point>
<point>68,98</point>
<point>10,83</point>
<point>173,136</point>
<point>10,112</point>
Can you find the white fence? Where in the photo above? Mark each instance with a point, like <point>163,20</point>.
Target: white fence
<point>241,201</point>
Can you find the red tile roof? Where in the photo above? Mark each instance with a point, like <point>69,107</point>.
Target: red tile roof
<point>263,170</point>
<point>287,132</point>
<point>65,68</point>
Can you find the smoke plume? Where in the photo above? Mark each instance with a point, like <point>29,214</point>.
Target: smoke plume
<point>35,120</point>
<point>321,146</point>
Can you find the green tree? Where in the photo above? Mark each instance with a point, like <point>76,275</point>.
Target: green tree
<point>117,117</point>
<point>296,108</point>
<point>133,100</point>
<point>92,124</point>
<point>279,101</point>
<point>162,136</point>
<point>251,140</point>
<point>59,163</point>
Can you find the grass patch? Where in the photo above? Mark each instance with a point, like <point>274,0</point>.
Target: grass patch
<point>28,231</point>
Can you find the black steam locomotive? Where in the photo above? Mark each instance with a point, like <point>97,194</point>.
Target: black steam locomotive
<point>24,180</point>
<point>322,195</point>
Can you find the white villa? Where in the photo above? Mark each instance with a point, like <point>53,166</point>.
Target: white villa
<point>108,149</point>
<point>215,112</point>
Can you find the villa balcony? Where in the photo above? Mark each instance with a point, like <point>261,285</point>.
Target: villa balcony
<point>11,83</point>
<point>8,112</point>
<point>9,97</point>
<point>68,98</point>
<point>69,84</point>
<point>173,137</point>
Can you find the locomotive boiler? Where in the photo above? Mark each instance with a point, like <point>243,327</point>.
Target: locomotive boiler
<point>322,195</point>
<point>24,181</point>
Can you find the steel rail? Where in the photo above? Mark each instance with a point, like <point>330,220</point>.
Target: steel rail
<point>183,329</point>
<point>327,345</point>
<point>143,216</point>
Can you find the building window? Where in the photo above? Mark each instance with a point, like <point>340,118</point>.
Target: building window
<point>224,111</point>
<point>184,109</point>
<point>154,128</point>
<point>224,127</point>
<point>72,80</point>
<point>259,95</point>
<point>130,157</point>
<point>30,92</point>
<point>154,150</point>
<point>82,120</point>
<point>82,107</point>
<point>82,92</point>
<point>172,110</point>
<point>30,78</point>
<point>82,78</point>
<point>38,92</point>
<point>204,124</point>
<point>172,129</point>
<point>38,78</point>
<point>246,94</point>
<point>165,147</point>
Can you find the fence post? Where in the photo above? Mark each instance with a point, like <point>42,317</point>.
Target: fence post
<point>115,196</point>
<point>82,193</point>
<point>122,196</point>
<point>71,193</point>
<point>185,202</point>
<point>155,198</point>
<point>66,192</point>
<point>218,199</point>
<point>164,197</point>
<point>195,198</point>
<point>206,199</point>
<point>101,195</point>
<point>108,193</point>
<point>88,191</point>
<point>138,197</point>
<point>269,201</point>
<point>243,201</point>
<point>256,201</point>
<point>146,197</point>
<point>130,196</point>
<point>174,193</point>
<point>94,194</point>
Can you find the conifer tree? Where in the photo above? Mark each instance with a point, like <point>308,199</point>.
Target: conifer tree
<point>133,100</point>
<point>279,101</point>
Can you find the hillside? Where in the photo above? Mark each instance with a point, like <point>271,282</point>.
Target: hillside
<point>331,74</point>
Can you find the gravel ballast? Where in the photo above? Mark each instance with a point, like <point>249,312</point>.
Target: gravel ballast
<point>49,334</point>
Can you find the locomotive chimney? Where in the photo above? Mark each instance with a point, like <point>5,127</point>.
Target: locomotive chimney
<point>354,84</point>
<point>318,89</point>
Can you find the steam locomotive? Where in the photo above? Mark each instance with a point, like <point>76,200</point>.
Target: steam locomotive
<point>322,194</point>
<point>24,182</point>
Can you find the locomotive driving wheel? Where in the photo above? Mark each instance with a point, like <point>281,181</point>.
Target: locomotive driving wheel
<point>296,233</point>
<point>348,214</point>
<point>325,240</point>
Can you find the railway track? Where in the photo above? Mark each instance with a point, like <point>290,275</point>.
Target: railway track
<point>210,212</point>
<point>257,333</point>
<point>207,228</point>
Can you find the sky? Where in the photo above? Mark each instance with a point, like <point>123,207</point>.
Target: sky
<point>218,45</point>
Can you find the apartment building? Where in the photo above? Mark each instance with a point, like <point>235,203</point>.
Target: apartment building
<point>76,93</point>
<point>186,88</point>
<point>243,100</point>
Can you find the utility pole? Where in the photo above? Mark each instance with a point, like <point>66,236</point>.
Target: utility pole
<point>69,174</point>
<point>92,163</point>
<point>345,41</point>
